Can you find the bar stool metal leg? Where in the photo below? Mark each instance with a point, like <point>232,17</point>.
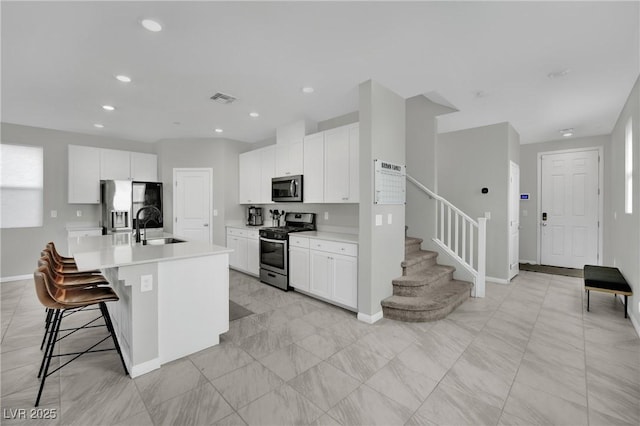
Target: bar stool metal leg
<point>54,335</point>
<point>107,320</point>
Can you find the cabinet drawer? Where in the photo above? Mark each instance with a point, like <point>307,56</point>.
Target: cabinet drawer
<point>347,249</point>
<point>252,233</point>
<point>237,232</point>
<point>299,242</point>
<point>84,232</point>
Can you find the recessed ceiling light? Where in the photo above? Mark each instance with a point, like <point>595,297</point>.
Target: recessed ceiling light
<point>566,132</point>
<point>123,78</point>
<point>98,125</point>
<point>558,74</point>
<point>254,115</point>
<point>151,25</point>
<point>308,89</point>
<point>108,107</point>
<point>218,130</point>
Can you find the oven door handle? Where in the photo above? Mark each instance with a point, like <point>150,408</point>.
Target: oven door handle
<point>273,241</point>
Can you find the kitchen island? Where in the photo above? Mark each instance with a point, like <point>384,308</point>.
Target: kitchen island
<point>174,298</point>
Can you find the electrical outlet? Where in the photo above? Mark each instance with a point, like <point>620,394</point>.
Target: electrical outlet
<point>326,215</point>
<point>79,213</point>
<point>54,213</point>
<point>487,215</point>
<point>146,283</point>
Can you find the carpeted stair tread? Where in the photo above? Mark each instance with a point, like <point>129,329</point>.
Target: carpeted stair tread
<point>425,276</point>
<point>412,240</point>
<point>416,257</point>
<point>437,297</point>
<point>437,304</point>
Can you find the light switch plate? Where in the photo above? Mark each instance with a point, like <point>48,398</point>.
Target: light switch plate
<point>487,215</point>
<point>326,215</point>
<point>146,283</point>
<point>378,220</point>
<point>79,213</point>
<point>54,213</point>
<point>215,212</point>
<point>389,218</point>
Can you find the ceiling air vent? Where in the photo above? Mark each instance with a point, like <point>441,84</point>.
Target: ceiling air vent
<point>223,98</point>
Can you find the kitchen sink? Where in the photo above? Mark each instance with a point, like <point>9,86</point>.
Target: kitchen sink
<point>161,241</point>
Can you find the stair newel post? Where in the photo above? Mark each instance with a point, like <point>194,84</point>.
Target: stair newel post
<point>478,289</point>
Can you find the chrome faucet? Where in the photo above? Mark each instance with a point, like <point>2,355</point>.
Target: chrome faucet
<point>145,222</point>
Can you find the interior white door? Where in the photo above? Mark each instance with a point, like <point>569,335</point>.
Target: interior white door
<point>192,204</point>
<point>514,219</point>
<point>569,209</point>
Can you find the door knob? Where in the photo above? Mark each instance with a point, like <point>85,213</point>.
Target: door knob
<point>206,224</point>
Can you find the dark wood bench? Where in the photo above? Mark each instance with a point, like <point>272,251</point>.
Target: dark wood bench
<point>607,280</point>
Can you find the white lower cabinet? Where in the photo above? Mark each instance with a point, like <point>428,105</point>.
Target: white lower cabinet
<point>323,268</point>
<point>245,246</point>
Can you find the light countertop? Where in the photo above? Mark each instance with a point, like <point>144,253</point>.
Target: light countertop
<point>108,251</point>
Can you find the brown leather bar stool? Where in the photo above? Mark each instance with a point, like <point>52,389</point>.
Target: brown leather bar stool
<point>62,281</point>
<point>66,268</point>
<point>63,300</point>
<point>62,259</point>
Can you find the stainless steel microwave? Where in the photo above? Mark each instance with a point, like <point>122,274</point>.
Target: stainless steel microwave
<point>287,189</point>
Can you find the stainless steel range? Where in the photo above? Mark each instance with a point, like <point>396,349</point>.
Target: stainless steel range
<point>274,248</point>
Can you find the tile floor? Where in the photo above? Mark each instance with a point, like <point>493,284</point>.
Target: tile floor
<point>528,353</point>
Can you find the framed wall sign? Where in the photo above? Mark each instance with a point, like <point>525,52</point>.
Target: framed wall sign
<point>390,183</point>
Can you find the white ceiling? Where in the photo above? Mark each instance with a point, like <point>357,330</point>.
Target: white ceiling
<point>59,59</point>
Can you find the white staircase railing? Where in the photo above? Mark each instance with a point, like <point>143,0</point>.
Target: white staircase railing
<point>462,237</point>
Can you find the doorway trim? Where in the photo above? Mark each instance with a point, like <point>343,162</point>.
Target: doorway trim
<point>600,151</point>
<point>174,184</point>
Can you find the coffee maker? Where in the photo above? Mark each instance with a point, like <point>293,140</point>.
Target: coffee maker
<point>255,216</point>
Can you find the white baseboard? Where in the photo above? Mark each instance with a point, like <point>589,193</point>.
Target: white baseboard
<point>532,262</point>
<point>16,278</point>
<point>143,368</point>
<point>370,319</point>
<point>635,324</point>
<point>496,280</point>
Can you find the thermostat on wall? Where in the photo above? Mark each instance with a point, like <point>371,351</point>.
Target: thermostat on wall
<point>524,196</point>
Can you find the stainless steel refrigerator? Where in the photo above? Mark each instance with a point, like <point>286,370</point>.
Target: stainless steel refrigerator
<point>115,198</point>
<point>147,194</point>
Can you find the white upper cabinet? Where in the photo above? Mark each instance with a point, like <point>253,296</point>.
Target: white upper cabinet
<point>267,172</point>
<point>115,164</point>
<point>89,165</point>
<point>289,158</point>
<point>313,179</point>
<point>144,167</point>
<point>84,175</point>
<point>249,191</point>
<point>331,166</point>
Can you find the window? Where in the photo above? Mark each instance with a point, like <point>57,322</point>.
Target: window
<point>628,168</point>
<point>21,186</point>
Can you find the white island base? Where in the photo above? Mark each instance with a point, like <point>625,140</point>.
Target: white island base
<point>185,311</point>
<point>174,299</point>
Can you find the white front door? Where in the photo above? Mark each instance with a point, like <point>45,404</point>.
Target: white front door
<point>192,204</point>
<point>569,209</point>
<point>514,219</point>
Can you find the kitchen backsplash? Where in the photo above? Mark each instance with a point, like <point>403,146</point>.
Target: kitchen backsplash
<point>341,217</point>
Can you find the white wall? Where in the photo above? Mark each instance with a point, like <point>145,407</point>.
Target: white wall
<point>470,160</point>
<point>381,248</point>
<point>623,248</point>
<point>422,164</point>
<point>529,184</point>
<point>21,246</point>
<point>219,154</point>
